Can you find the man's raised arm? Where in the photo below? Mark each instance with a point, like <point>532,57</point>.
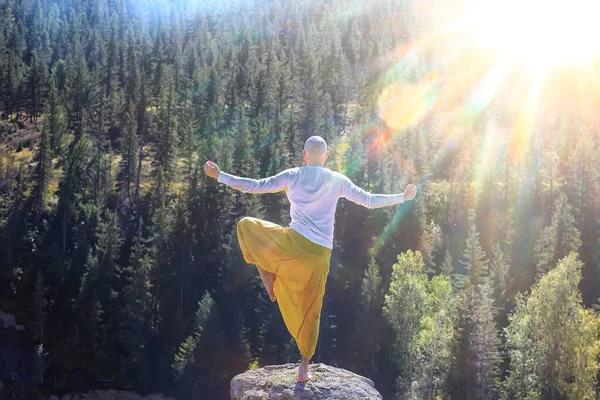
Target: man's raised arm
<point>359,196</point>
<point>272,184</point>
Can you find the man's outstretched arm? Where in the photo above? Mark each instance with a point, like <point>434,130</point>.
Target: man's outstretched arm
<point>272,184</point>
<point>360,196</point>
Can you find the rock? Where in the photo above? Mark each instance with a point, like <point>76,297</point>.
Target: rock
<point>278,382</point>
<point>110,395</point>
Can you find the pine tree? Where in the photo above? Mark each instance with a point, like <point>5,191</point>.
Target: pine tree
<point>39,311</point>
<point>310,103</point>
<point>111,74</point>
<point>187,358</point>
<point>55,124</point>
<point>138,300</point>
<point>485,343</point>
<point>80,91</point>
<point>353,43</point>
<point>129,156</point>
<point>132,88</point>
<point>43,171</point>
<point>11,85</point>
<point>474,259</point>
<point>36,81</point>
<point>162,229</point>
<point>166,143</point>
<point>106,251</point>
<point>72,188</point>
<point>138,291</point>
<point>447,267</point>
<point>432,241</point>
<point>94,323</point>
<point>557,239</point>
<point>160,70</point>
<point>500,280</point>
<point>369,317</point>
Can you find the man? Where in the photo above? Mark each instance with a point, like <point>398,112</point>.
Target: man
<point>293,261</point>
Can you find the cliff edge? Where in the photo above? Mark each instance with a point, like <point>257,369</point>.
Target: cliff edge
<point>278,382</point>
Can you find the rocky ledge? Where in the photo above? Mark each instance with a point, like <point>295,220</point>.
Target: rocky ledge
<point>278,382</point>
<point>110,395</point>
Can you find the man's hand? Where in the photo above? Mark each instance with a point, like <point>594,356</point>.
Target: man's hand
<point>211,169</point>
<point>410,192</point>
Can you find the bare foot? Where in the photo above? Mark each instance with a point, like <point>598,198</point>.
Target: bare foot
<point>303,375</point>
<point>272,289</point>
<point>268,278</point>
<point>269,285</point>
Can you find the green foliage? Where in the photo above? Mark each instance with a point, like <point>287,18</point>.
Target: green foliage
<point>423,314</point>
<point>184,356</point>
<point>436,336</point>
<point>187,353</point>
<point>432,241</point>
<point>558,239</point>
<point>403,308</point>
<point>139,298</point>
<point>369,319</point>
<point>111,236</point>
<point>473,260</point>
<point>553,339</point>
<point>501,280</point>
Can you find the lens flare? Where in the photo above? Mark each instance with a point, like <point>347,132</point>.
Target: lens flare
<point>402,105</point>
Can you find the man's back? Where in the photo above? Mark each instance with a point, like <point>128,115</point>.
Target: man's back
<point>313,192</point>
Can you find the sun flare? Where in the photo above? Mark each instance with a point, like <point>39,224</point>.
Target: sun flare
<point>536,32</point>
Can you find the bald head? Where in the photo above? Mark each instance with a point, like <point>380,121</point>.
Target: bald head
<point>315,150</point>
<point>315,145</point>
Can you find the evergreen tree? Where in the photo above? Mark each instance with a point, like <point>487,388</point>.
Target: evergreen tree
<point>166,141</point>
<point>485,343</point>
<point>187,358</point>
<point>473,260</point>
<point>55,124</point>
<point>311,106</point>
<point>138,291</point>
<point>138,302</point>
<point>106,251</point>
<point>73,188</point>
<point>369,317</point>
<point>432,241</point>
<point>129,156</point>
<point>80,91</point>
<point>36,80</point>
<point>43,171</point>
<point>11,85</point>
<point>39,312</point>
<point>447,268</point>
<point>500,280</point>
<point>557,239</point>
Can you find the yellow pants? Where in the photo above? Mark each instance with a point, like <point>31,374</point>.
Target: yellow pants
<point>300,266</point>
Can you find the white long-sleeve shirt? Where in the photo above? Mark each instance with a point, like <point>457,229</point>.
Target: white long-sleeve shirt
<point>313,192</point>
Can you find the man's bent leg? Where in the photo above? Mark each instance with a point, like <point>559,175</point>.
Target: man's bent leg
<point>256,249</point>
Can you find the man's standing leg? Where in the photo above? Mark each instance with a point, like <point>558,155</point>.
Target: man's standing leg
<point>303,370</point>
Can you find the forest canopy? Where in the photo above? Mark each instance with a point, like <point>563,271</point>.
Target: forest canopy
<point>119,255</point>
